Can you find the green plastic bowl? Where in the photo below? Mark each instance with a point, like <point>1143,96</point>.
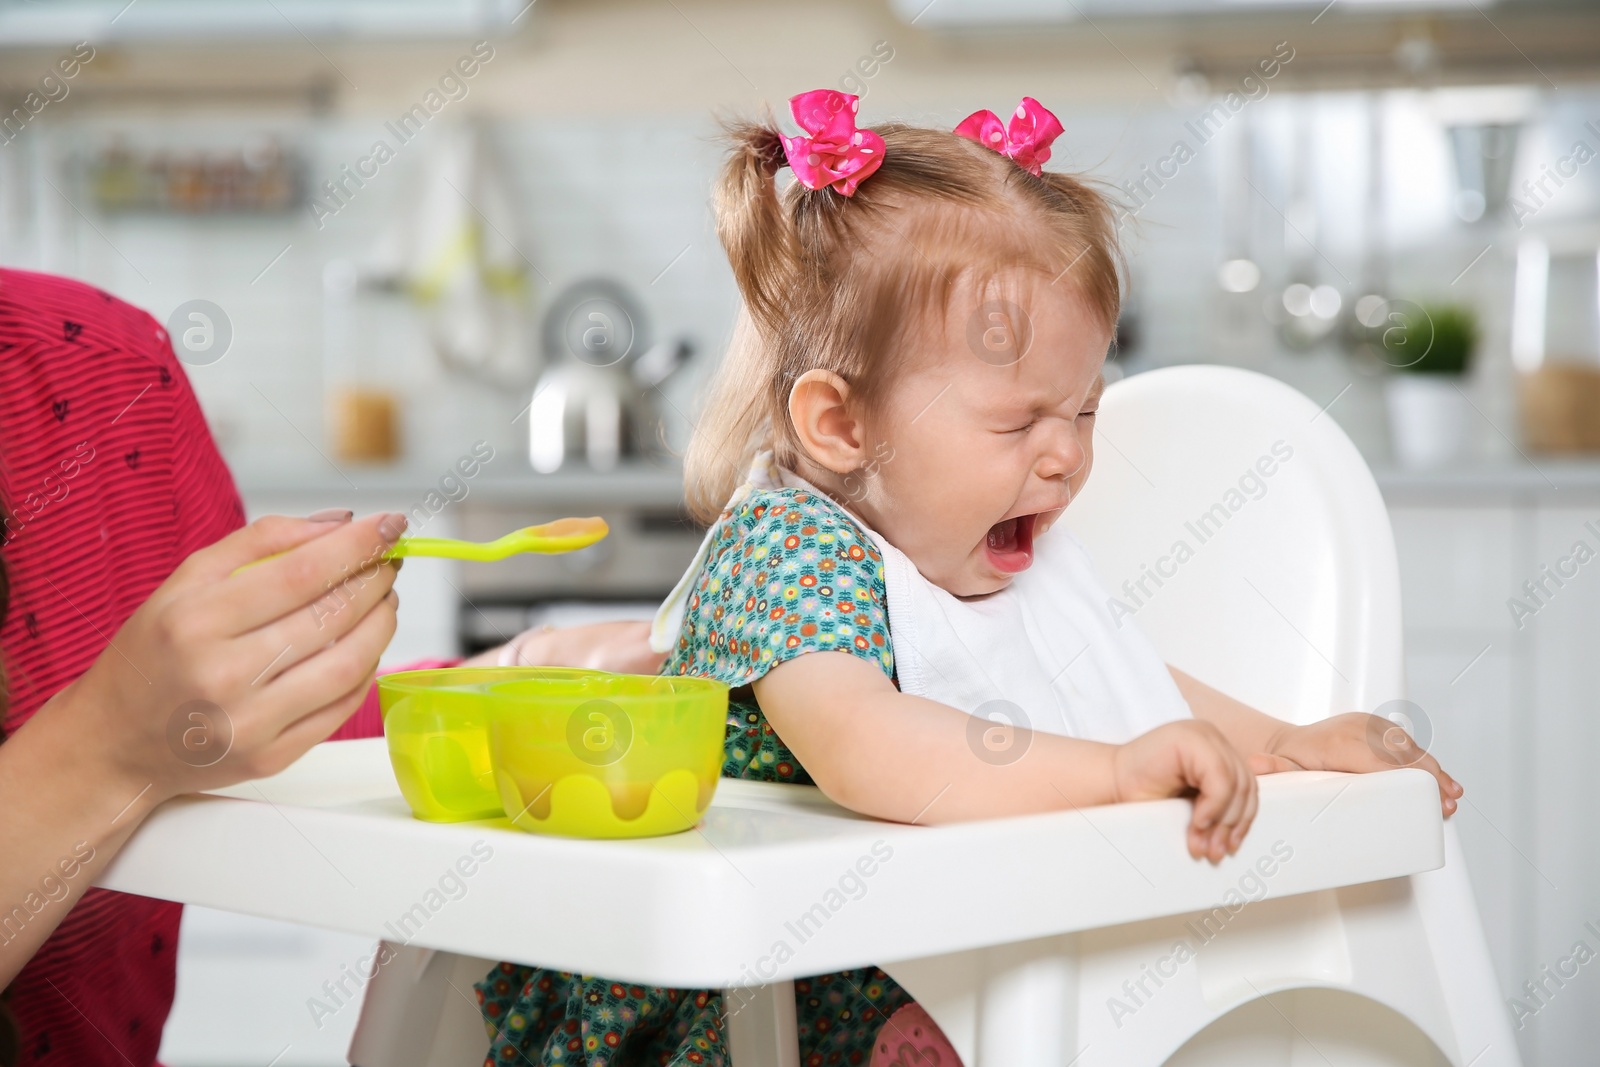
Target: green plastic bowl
<point>436,724</point>
<point>607,755</point>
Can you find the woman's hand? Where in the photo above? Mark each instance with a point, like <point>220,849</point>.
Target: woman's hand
<point>218,677</point>
<point>1353,742</point>
<point>620,647</point>
<point>224,675</point>
<point>1191,757</point>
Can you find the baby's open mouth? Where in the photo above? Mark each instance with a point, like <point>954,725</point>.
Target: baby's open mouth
<point>1010,544</point>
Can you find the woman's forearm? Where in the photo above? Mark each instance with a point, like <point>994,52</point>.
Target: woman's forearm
<point>66,814</point>
<point>1249,731</point>
<point>893,756</point>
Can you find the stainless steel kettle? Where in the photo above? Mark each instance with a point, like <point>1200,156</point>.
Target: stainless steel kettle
<point>591,406</point>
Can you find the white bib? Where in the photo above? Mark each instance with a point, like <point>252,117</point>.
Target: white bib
<point>1043,653</point>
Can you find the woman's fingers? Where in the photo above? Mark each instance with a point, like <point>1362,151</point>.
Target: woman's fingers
<point>267,536</point>
<point>248,643</point>
<point>338,668</point>
<point>283,731</point>
<point>312,729</point>
<point>281,644</point>
<point>302,577</point>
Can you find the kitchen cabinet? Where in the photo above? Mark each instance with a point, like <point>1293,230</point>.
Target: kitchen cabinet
<point>1509,696</point>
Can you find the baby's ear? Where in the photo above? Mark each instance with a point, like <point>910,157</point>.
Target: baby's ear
<point>825,421</point>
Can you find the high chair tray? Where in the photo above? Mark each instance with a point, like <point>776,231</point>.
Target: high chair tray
<point>776,882</point>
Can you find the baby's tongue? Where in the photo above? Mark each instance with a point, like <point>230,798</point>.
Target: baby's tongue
<point>1010,544</point>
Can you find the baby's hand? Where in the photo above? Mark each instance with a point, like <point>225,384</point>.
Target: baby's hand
<point>1191,758</point>
<point>1353,742</point>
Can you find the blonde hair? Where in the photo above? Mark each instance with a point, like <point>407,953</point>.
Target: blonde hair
<point>841,283</point>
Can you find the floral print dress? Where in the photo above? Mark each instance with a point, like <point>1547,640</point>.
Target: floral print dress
<point>788,573</point>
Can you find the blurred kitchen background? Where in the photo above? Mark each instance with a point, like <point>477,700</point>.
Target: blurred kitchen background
<point>456,257</point>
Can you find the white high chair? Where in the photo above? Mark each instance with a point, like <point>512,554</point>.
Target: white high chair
<point>1041,941</point>
<point>1284,593</point>
<point>1287,596</point>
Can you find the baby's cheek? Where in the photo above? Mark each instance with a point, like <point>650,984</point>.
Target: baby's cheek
<point>1078,480</point>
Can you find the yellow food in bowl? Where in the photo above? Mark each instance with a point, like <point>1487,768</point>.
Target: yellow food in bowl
<point>436,725</point>
<point>607,755</point>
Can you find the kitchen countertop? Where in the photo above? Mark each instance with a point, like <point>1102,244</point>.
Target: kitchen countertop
<point>634,484</point>
<point>1535,477</point>
<point>651,485</point>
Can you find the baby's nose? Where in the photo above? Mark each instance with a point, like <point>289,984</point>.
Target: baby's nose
<point>1061,455</point>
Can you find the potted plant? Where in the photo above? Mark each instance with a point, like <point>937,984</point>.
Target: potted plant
<point>1431,348</point>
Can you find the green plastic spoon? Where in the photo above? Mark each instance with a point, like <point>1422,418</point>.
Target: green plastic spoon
<point>551,538</point>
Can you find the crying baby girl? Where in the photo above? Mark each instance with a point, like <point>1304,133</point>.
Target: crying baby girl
<point>907,409</point>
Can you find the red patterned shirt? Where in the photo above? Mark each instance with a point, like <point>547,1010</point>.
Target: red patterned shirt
<point>110,478</point>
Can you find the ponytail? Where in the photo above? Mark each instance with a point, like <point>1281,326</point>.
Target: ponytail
<point>758,239</point>
<point>732,425</point>
<point>760,245</point>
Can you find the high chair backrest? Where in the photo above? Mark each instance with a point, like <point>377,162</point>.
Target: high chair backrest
<point>1235,522</point>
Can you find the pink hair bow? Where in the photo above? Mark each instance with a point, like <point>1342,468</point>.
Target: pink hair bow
<point>836,153</point>
<point>1026,140</point>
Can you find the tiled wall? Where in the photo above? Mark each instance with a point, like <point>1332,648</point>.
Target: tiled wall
<point>628,198</point>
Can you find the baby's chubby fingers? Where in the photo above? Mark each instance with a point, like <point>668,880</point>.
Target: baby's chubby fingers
<point>1191,758</point>
<point>1249,819</point>
<point>1221,831</point>
<point>1389,745</point>
<point>1450,790</point>
<point>1359,743</point>
<point>1219,805</point>
<point>1405,752</point>
<point>1225,837</point>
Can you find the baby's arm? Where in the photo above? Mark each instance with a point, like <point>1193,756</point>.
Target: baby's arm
<point>622,647</point>
<point>886,754</point>
<point>1351,742</point>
